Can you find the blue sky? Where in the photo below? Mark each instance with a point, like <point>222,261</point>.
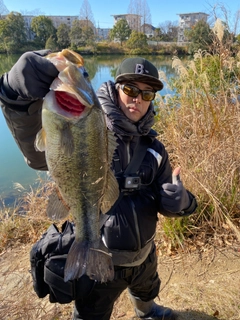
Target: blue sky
<point>161,10</point>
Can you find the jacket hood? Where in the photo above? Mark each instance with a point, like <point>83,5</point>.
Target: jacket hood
<point>116,119</point>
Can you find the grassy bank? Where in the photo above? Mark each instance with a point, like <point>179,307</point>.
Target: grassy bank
<point>109,47</point>
<point>106,47</point>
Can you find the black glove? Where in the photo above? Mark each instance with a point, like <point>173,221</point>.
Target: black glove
<point>174,197</point>
<point>30,77</point>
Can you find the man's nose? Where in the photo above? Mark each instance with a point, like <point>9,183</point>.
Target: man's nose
<point>139,97</point>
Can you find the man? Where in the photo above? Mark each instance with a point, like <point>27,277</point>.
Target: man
<point>129,231</point>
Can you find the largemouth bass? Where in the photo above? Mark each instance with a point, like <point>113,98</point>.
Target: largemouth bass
<point>79,151</point>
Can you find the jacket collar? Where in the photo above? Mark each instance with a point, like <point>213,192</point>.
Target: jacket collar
<point>116,119</point>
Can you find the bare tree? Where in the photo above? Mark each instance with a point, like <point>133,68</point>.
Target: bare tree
<point>141,9</point>
<point>236,23</point>
<point>221,11</point>
<point>3,9</point>
<point>229,22</point>
<point>135,8</point>
<point>146,15</point>
<point>169,30</point>
<point>34,12</point>
<point>86,14</point>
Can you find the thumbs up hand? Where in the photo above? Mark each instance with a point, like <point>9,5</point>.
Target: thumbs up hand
<point>174,197</point>
<point>176,175</point>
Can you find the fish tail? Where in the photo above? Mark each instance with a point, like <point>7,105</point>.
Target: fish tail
<point>90,258</point>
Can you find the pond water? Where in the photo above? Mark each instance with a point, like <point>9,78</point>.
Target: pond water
<point>13,168</point>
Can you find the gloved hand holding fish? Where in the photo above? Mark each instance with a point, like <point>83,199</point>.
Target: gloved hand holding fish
<point>79,151</point>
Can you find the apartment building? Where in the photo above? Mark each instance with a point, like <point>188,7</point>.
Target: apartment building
<point>148,30</point>
<point>133,20</point>
<point>102,33</point>
<point>188,20</point>
<point>57,20</point>
<point>68,20</point>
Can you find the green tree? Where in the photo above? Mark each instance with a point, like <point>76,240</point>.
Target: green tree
<point>63,37</point>
<point>120,31</point>
<point>12,32</point>
<point>43,28</point>
<point>200,36</point>
<point>88,35</point>
<point>158,35</point>
<point>3,34</point>
<point>52,43</point>
<point>137,40</point>
<point>75,34</point>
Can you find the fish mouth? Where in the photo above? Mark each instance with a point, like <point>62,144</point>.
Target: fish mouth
<point>69,103</point>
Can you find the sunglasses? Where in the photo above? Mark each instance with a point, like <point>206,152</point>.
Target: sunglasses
<point>132,91</point>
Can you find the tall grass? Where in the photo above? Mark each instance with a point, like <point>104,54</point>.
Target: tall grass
<point>200,126</point>
<point>27,220</point>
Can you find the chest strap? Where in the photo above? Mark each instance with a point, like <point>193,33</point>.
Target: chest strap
<point>138,155</point>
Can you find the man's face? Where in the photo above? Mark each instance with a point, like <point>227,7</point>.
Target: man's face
<point>134,108</point>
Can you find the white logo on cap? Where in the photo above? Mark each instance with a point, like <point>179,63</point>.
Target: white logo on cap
<point>140,69</point>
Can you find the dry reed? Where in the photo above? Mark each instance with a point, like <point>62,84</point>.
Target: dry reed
<point>200,126</point>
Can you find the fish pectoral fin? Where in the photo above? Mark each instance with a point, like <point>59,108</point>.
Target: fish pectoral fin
<point>111,193</point>
<point>67,141</point>
<point>40,141</point>
<point>56,208</point>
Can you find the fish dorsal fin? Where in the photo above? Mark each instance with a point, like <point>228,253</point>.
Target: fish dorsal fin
<point>56,208</point>
<point>67,141</point>
<point>40,141</point>
<point>111,193</point>
<point>73,57</point>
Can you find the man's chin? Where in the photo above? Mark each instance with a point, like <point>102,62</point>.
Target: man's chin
<point>133,116</point>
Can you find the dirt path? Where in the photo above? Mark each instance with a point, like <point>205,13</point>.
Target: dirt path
<point>199,286</point>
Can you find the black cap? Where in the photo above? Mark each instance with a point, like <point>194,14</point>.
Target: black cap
<point>139,69</point>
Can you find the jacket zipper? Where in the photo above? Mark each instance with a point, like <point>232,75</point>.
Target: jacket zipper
<point>128,152</point>
<point>136,226</point>
<point>135,217</point>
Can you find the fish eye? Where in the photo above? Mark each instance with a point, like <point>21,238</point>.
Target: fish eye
<point>85,74</point>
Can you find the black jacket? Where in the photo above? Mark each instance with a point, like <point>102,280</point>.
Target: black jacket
<point>133,223</point>
<point>131,227</point>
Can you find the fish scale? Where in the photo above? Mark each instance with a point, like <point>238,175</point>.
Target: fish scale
<point>79,151</point>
